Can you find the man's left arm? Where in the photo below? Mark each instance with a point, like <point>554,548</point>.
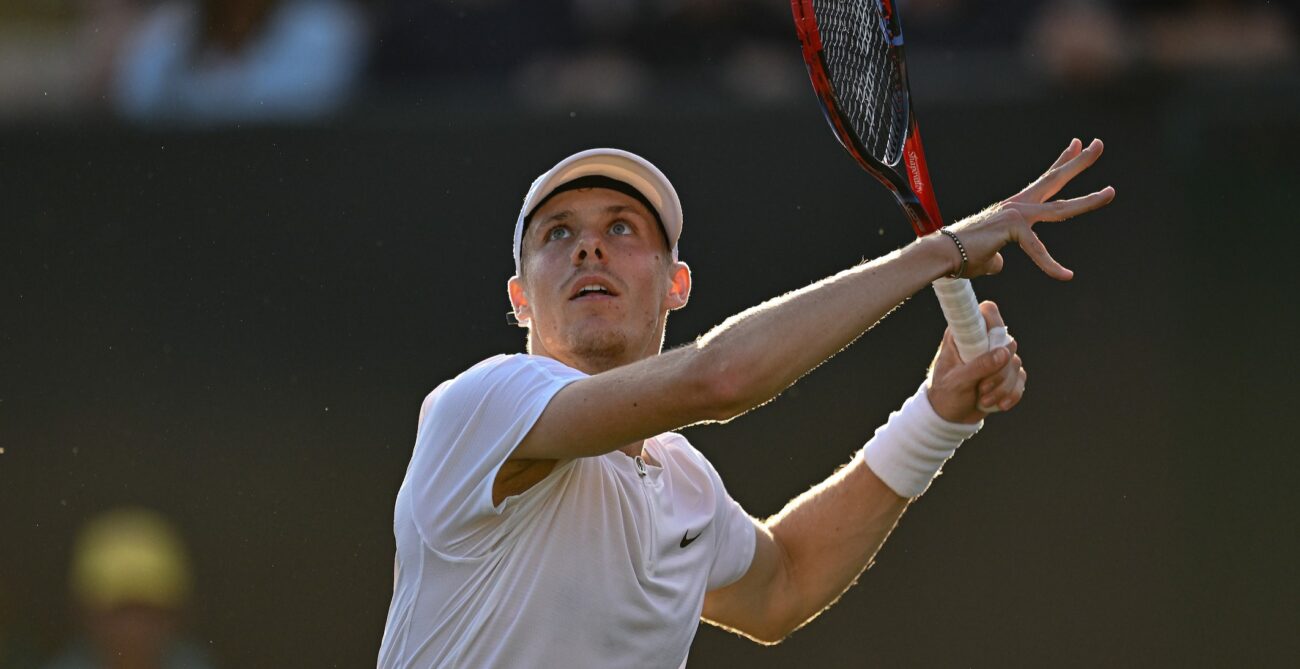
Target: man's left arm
<point>807,555</point>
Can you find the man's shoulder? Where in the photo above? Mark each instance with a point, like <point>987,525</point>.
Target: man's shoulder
<point>510,363</point>
<point>504,365</point>
<point>677,447</point>
<point>499,369</point>
<point>480,369</point>
<point>675,441</point>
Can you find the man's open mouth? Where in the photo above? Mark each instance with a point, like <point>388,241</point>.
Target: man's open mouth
<point>592,289</point>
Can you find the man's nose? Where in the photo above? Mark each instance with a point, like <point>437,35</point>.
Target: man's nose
<point>588,246</point>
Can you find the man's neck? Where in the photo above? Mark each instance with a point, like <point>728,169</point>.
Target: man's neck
<point>591,365</point>
<point>587,364</point>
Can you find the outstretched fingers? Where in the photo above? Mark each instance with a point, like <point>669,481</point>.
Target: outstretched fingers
<point>1069,165</point>
<point>1060,210</point>
<point>1057,210</point>
<point>1037,251</point>
<point>1071,150</point>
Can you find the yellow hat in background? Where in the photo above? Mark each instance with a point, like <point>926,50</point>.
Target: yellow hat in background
<point>130,556</point>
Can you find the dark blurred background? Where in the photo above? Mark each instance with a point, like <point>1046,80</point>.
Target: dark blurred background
<point>241,239</point>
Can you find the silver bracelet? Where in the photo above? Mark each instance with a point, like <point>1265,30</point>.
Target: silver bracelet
<point>960,249</point>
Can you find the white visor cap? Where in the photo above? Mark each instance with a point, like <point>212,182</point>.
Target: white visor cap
<point>624,166</point>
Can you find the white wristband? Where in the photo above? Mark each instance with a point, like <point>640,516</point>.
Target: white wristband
<point>908,451</point>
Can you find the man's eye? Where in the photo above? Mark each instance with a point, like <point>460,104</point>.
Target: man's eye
<point>620,228</point>
<point>557,232</point>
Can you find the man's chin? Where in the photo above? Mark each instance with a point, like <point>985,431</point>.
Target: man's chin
<point>600,350</point>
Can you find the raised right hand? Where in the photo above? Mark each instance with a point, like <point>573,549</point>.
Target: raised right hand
<point>1013,219</point>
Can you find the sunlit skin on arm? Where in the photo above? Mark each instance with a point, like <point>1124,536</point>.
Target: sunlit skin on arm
<point>814,549</point>
<point>807,555</point>
<point>634,393</point>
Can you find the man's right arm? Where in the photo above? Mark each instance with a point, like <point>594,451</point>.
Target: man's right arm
<point>740,364</point>
<point>753,356</point>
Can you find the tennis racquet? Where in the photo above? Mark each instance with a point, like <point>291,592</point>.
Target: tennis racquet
<point>854,53</point>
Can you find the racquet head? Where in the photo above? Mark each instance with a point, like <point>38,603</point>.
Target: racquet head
<point>854,53</point>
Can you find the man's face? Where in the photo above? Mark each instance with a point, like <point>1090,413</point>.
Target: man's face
<point>596,280</point>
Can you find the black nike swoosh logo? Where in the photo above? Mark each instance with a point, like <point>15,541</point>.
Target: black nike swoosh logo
<point>687,538</point>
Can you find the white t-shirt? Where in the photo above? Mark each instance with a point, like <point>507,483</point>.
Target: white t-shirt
<point>597,565</point>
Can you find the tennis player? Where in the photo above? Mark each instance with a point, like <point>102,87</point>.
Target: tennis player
<point>550,517</point>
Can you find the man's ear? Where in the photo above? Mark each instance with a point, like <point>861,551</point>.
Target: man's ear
<point>518,301</point>
<point>679,287</point>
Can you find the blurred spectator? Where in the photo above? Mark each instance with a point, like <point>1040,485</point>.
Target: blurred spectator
<point>1081,42</point>
<point>966,24</point>
<point>226,61</point>
<point>1093,41</point>
<point>1222,34</point>
<point>130,581</point>
<point>748,46</point>
<point>595,53</point>
<point>56,56</point>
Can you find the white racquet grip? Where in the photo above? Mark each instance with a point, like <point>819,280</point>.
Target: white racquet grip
<point>963,314</point>
<point>908,451</point>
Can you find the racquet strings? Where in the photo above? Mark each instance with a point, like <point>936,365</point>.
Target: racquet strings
<point>864,74</point>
